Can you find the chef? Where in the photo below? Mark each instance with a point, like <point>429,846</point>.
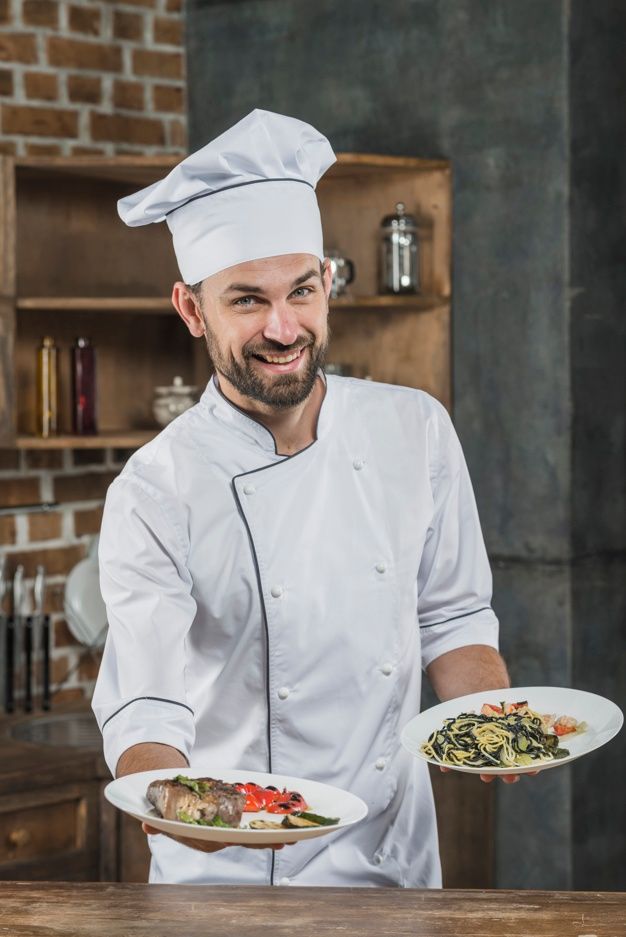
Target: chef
<point>281,562</point>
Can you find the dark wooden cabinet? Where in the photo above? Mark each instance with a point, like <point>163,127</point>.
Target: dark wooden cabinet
<point>124,851</point>
<point>55,823</point>
<point>50,834</point>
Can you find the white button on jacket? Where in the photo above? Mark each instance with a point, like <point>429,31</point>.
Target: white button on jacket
<point>197,657</point>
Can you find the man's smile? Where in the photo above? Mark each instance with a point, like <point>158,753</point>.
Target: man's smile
<point>282,364</point>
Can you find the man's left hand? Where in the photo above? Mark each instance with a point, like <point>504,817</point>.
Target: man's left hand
<point>488,778</point>
<point>507,778</point>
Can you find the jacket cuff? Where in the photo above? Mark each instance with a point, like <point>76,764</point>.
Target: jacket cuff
<point>146,719</point>
<point>480,627</point>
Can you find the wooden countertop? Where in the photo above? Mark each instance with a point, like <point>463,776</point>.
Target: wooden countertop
<point>45,764</point>
<point>30,909</point>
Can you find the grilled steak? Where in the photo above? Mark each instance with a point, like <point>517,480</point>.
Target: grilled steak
<point>207,799</point>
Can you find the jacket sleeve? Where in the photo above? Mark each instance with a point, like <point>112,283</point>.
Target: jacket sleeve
<point>140,693</point>
<point>454,579</point>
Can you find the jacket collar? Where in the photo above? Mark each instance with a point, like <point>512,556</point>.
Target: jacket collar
<point>213,401</point>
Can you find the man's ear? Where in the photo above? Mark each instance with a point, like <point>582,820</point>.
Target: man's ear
<point>327,276</point>
<point>188,308</point>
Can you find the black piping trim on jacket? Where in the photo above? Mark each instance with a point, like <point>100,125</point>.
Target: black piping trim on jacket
<point>270,433</point>
<point>158,699</point>
<point>248,417</point>
<point>255,560</point>
<point>237,185</point>
<point>262,468</point>
<point>464,615</point>
<point>267,636</point>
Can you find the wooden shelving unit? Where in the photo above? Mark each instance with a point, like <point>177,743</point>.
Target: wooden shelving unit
<point>95,304</point>
<point>163,305</point>
<point>68,266</point>
<point>129,439</point>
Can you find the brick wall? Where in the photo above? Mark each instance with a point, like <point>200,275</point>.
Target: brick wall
<point>91,76</point>
<point>79,77</point>
<point>58,539</point>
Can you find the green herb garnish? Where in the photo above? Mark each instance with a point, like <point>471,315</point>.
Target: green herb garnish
<point>198,787</point>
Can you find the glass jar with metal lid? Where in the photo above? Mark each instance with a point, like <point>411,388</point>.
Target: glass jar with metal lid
<point>399,257</point>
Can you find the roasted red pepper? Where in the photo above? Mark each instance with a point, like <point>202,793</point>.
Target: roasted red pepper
<point>271,799</point>
<point>252,804</point>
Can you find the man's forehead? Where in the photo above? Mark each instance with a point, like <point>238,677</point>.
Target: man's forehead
<point>266,272</point>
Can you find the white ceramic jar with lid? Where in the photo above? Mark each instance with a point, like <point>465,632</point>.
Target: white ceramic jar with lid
<point>171,401</point>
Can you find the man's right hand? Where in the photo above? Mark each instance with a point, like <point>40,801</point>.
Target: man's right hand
<point>150,756</point>
<point>203,845</point>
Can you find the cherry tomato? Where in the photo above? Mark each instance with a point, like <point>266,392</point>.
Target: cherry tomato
<point>288,802</point>
<point>298,800</point>
<point>283,807</point>
<point>563,730</point>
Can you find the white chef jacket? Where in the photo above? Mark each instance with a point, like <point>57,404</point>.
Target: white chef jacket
<point>273,613</point>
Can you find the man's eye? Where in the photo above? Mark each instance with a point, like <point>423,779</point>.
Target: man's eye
<point>245,301</point>
<point>302,291</point>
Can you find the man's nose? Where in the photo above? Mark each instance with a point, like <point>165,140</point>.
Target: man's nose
<point>281,324</point>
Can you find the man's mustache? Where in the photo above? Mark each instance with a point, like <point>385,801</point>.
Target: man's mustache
<point>275,348</point>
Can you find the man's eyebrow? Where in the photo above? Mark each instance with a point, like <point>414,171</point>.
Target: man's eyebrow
<point>248,288</point>
<point>306,276</point>
<point>243,288</point>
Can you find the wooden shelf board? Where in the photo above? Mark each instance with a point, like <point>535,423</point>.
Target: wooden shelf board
<point>406,301</point>
<point>160,305</point>
<point>96,304</point>
<point>131,170</point>
<point>121,439</point>
<point>145,169</point>
<point>351,163</point>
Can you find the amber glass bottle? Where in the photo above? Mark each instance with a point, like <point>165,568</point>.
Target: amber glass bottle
<point>47,388</point>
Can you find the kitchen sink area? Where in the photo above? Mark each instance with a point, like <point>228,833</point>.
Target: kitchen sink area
<point>73,729</point>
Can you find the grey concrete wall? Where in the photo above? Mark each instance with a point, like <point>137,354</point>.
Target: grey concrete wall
<point>597,262</point>
<point>487,84</point>
<point>484,84</point>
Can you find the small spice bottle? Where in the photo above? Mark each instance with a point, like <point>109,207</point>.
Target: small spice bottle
<point>84,387</point>
<point>47,388</point>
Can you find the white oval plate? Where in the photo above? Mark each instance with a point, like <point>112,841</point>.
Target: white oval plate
<point>129,795</point>
<point>604,720</point>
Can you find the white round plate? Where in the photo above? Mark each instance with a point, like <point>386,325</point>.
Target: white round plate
<point>604,720</point>
<point>129,795</point>
<point>84,606</point>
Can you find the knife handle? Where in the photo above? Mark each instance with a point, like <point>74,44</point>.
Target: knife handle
<point>28,664</point>
<point>9,699</point>
<point>45,646</point>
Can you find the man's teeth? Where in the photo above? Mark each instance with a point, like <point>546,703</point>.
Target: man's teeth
<point>285,359</point>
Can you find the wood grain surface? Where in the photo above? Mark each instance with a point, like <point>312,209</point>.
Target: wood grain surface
<point>86,910</point>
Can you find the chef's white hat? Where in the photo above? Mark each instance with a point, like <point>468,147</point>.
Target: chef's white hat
<point>250,193</point>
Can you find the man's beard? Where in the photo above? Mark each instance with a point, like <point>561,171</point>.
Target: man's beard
<point>282,390</point>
